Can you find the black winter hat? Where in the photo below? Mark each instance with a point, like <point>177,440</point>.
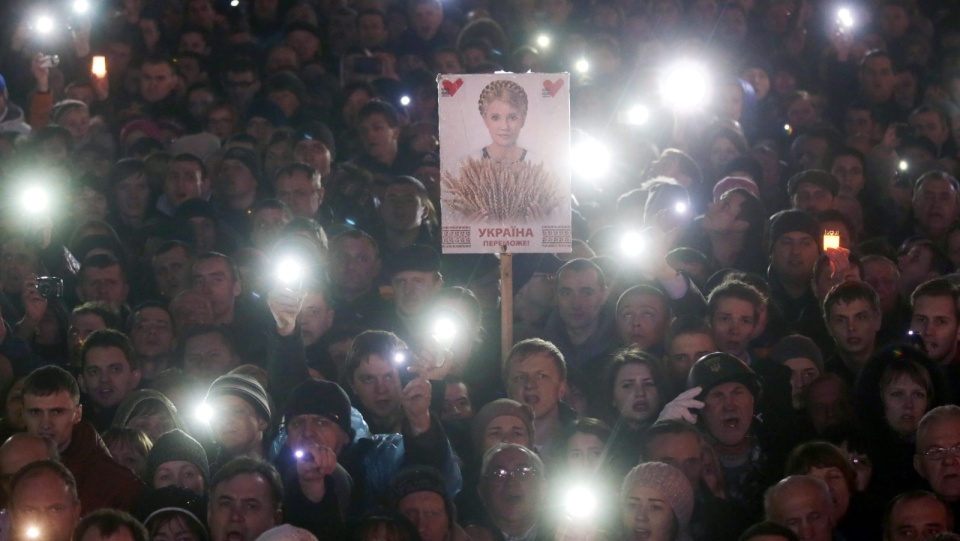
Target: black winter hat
<point>177,445</point>
<point>788,221</point>
<point>818,177</point>
<point>317,131</point>
<point>315,397</point>
<point>716,368</point>
<point>421,479</point>
<point>245,156</point>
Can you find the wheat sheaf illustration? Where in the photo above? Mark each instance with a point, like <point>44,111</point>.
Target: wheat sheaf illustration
<point>501,191</point>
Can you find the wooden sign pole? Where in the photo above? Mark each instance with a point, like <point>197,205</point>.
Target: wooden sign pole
<point>506,303</point>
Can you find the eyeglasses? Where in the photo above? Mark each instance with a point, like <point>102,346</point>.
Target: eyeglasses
<point>520,473</point>
<point>939,453</point>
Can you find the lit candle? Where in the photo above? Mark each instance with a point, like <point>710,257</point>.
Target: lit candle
<point>99,69</point>
<point>831,239</point>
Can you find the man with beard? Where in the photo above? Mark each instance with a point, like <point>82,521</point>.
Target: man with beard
<point>513,491</point>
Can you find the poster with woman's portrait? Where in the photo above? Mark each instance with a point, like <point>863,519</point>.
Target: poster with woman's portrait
<point>504,160</point>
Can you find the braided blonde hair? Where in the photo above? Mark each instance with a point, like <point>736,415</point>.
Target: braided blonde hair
<point>506,91</point>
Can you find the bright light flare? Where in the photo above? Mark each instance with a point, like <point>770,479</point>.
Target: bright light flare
<point>35,200</point>
<point>234,3</point>
<point>298,453</point>
<point>631,245</point>
<point>81,6</point>
<point>686,86</point>
<point>680,207</point>
<point>638,115</point>
<point>289,271</point>
<point>43,24</point>
<point>591,159</point>
<point>399,357</point>
<point>580,502</point>
<point>404,100</point>
<point>444,330</point>
<point>903,166</point>
<point>582,66</point>
<point>845,17</point>
<point>543,41</point>
<point>204,413</point>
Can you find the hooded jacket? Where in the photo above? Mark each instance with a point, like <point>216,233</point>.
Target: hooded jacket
<point>13,120</point>
<point>101,481</point>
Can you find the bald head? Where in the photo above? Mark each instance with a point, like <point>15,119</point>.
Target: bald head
<point>20,450</point>
<point>803,504</point>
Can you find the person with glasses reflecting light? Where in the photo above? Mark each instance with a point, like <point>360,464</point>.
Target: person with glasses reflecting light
<point>513,492</point>
<point>937,457</point>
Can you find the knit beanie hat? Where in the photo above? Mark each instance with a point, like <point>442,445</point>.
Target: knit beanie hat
<point>796,346</point>
<point>421,479</point>
<point>175,499</point>
<point>245,156</point>
<point>788,221</point>
<point>317,131</point>
<point>315,397</point>
<point>177,445</point>
<point>668,481</point>
<point>500,408</point>
<point>244,387</point>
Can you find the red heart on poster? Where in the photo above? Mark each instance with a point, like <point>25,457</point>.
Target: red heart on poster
<point>452,86</point>
<point>553,86</point>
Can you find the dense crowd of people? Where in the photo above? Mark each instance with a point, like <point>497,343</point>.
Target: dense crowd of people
<point>226,315</point>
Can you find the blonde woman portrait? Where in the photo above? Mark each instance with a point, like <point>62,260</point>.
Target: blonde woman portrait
<point>503,181</point>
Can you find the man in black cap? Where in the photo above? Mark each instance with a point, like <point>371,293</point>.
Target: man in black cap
<point>314,145</point>
<point>794,249</point>
<point>415,276</point>
<point>419,494</point>
<point>812,190</point>
<point>317,417</point>
<point>722,397</point>
<point>236,186</point>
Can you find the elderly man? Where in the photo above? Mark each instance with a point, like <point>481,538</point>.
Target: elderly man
<point>726,391</point>
<point>801,503</point>
<point>514,492</point>
<point>937,459</point>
